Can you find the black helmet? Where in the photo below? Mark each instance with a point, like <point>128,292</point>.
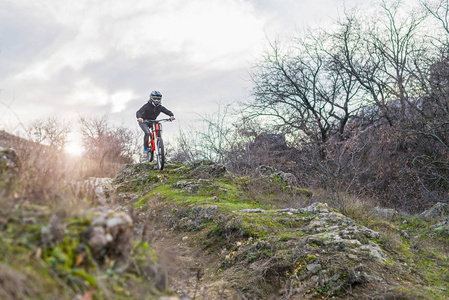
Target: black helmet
<point>156,98</point>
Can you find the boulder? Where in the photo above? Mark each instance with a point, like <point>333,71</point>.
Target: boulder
<point>439,211</point>
<point>208,169</point>
<point>109,235</point>
<point>386,213</point>
<point>271,172</point>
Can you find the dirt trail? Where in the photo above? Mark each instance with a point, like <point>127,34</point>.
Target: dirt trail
<point>190,271</point>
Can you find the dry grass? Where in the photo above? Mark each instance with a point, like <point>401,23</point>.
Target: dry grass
<point>49,177</point>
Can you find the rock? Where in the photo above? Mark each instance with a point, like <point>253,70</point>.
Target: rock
<point>102,188</point>
<point>442,228</point>
<point>264,171</point>
<point>288,211</point>
<point>99,189</point>
<point>313,268</point>
<point>316,208</point>
<point>374,251</point>
<point>271,172</point>
<point>439,211</point>
<point>194,187</point>
<point>386,213</point>
<point>110,235</point>
<point>208,169</point>
<point>253,210</point>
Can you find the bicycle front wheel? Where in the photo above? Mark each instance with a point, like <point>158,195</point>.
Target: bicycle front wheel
<point>150,154</point>
<point>160,153</point>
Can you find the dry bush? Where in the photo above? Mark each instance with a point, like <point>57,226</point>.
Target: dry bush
<point>106,143</point>
<point>47,174</point>
<point>401,166</point>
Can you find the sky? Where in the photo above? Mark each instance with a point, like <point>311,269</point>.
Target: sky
<point>72,58</point>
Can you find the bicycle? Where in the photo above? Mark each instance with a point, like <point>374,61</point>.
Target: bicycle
<point>156,144</point>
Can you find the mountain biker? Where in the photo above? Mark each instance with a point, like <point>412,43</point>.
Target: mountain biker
<point>150,111</point>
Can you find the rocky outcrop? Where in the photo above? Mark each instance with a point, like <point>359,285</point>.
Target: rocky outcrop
<point>109,235</point>
<point>251,249</point>
<point>325,250</point>
<point>439,211</point>
<point>271,172</point>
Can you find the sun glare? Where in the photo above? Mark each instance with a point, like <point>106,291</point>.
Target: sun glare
<point>74,147</point>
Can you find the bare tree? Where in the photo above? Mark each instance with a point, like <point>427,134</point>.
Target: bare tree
<point>303,90</point>
<point>385,57</point>
<point>51,132</point>
<point>210,140</point>
<point>105,142</point>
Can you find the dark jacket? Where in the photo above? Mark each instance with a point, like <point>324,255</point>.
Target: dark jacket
<point>150,112</point>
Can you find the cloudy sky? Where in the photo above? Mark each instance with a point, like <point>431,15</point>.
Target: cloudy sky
<point>68,58</point>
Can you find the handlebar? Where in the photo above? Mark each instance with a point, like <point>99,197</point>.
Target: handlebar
<point>157,121</point>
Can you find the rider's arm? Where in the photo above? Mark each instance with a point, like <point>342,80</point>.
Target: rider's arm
<point>167,112</point>
<point>140,112</point>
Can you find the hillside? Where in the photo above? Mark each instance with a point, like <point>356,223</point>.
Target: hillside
<point>198,232</point>
<point>276,242</point>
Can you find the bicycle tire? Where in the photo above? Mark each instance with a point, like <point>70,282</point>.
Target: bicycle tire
<point>150,155</point>
<point>161,154</point>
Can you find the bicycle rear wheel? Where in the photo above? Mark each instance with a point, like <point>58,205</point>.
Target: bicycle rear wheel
<point>160,153</point>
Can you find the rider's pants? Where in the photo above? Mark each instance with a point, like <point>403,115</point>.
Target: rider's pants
<point>146,137</point>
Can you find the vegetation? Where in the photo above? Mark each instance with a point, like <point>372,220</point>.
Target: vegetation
<point>314,189</point>
<point>359,107</point>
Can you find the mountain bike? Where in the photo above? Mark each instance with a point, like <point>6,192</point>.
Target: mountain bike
<point>156,144</point>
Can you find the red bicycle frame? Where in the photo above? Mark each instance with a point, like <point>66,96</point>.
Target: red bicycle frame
<point>155,132</point>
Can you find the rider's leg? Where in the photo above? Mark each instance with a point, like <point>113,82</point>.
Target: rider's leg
<point>146,137</point>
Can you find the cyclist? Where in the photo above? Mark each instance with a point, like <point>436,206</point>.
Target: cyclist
<point>150,111</point>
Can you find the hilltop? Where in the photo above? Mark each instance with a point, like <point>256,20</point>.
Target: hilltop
<point>259,237</point>
<point>196,231</point>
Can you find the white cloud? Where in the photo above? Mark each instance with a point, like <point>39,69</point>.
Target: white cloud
<point>91,56</point>
<point>214,33</point>
<point>119,100</point>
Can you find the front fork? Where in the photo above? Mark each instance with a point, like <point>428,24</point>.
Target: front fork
<point>155,132</point>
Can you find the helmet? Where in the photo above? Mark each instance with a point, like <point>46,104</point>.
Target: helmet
<point>156,98</point>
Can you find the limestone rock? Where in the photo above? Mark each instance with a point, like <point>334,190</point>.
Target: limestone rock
<point>110,235</point>
<point>439,211</point>
<point>271,172</point>
<point>386,213</point>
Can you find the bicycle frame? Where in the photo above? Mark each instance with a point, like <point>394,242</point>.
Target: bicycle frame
<point>155,131</point>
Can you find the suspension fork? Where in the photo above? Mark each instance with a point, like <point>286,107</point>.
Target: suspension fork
<point>155,133</point>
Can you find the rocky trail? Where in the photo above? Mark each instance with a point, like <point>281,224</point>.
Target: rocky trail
<point>219,245</point>
<point>196,231</point>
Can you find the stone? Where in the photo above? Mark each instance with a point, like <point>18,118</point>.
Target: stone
<point>386,213</point>
<point>109,235</point>
<point>439,211</point>
<point>316,208</point>
<point>253,210</point>
<point>313,268</point>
